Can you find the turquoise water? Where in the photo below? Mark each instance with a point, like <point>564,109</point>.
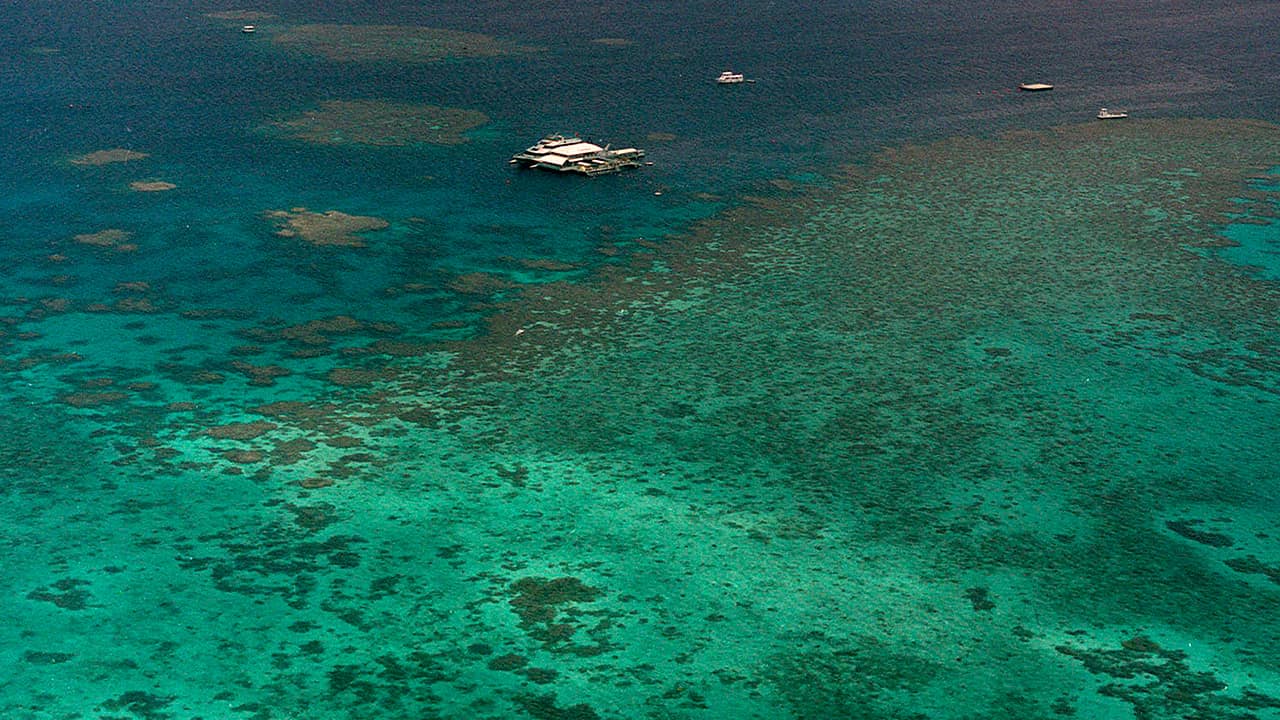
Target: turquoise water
<point>887,391</point>
<point>1255,237</point>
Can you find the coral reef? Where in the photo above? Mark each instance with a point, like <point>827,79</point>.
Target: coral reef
<point>114,238</point>
<point>151,185</point>
<point>107,157</point>
<point>240,15</point>
<point>68,594</point>
<point>838,454</point>
<point>1159,682</point>
<point>536,600</point>
<point>330,228</point>
<point>1188,530</point>
<point>241,431</point>
<point>394,43</point>
<point>379,122</point>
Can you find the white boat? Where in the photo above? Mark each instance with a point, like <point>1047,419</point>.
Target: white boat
<point>1035,87</point>
<point>1105,114</point>
<point>729,77</point>
<point>562,153</point>
<point>248,29</point>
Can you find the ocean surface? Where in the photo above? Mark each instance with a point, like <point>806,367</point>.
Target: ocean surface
<point>886,391</point>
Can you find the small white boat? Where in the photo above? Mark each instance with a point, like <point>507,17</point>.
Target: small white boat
<point>248,29</point>
<point>1105,114</point>
<point>1035,87</point>
<point>729,77</point>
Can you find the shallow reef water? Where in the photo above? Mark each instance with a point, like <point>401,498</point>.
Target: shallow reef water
<point>952,436</point>
<point>316,409</point>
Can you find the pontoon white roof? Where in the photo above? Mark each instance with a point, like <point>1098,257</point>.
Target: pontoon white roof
<point>581,148</point>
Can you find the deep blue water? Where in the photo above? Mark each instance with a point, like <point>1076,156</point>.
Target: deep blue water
<point>835,82</point>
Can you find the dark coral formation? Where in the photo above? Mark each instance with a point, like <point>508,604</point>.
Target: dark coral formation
<point>241,431</point>
<point>261,375</point>
<point>114,238</point>
<point>284,562</point>
<point>1251,565</point>
<point>1159,683</point>
<point>546,707</point>
<point>508,662</point>
<point>980,598</point>
<point>320,332</point>
<point>550,613</point>
<point>36,657</point>
<point>151,185</point>
<point>141,704</point>
<point>393,43</point>
<point>68,594</point>
<point>849,680</point>
<point>107,157</point>
<point>240,15</point>
<point>331,228</point>
<point>1188,530</point>
<point>391,683</point>
<point>380,122</point>
<point>538,600</point>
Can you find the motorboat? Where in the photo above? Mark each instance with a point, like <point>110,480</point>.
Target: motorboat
<point>1035,87</point>
<point>1105,114</point>
<point>729,77</point>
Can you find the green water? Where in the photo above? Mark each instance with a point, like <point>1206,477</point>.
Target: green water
<point>977,429</point>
